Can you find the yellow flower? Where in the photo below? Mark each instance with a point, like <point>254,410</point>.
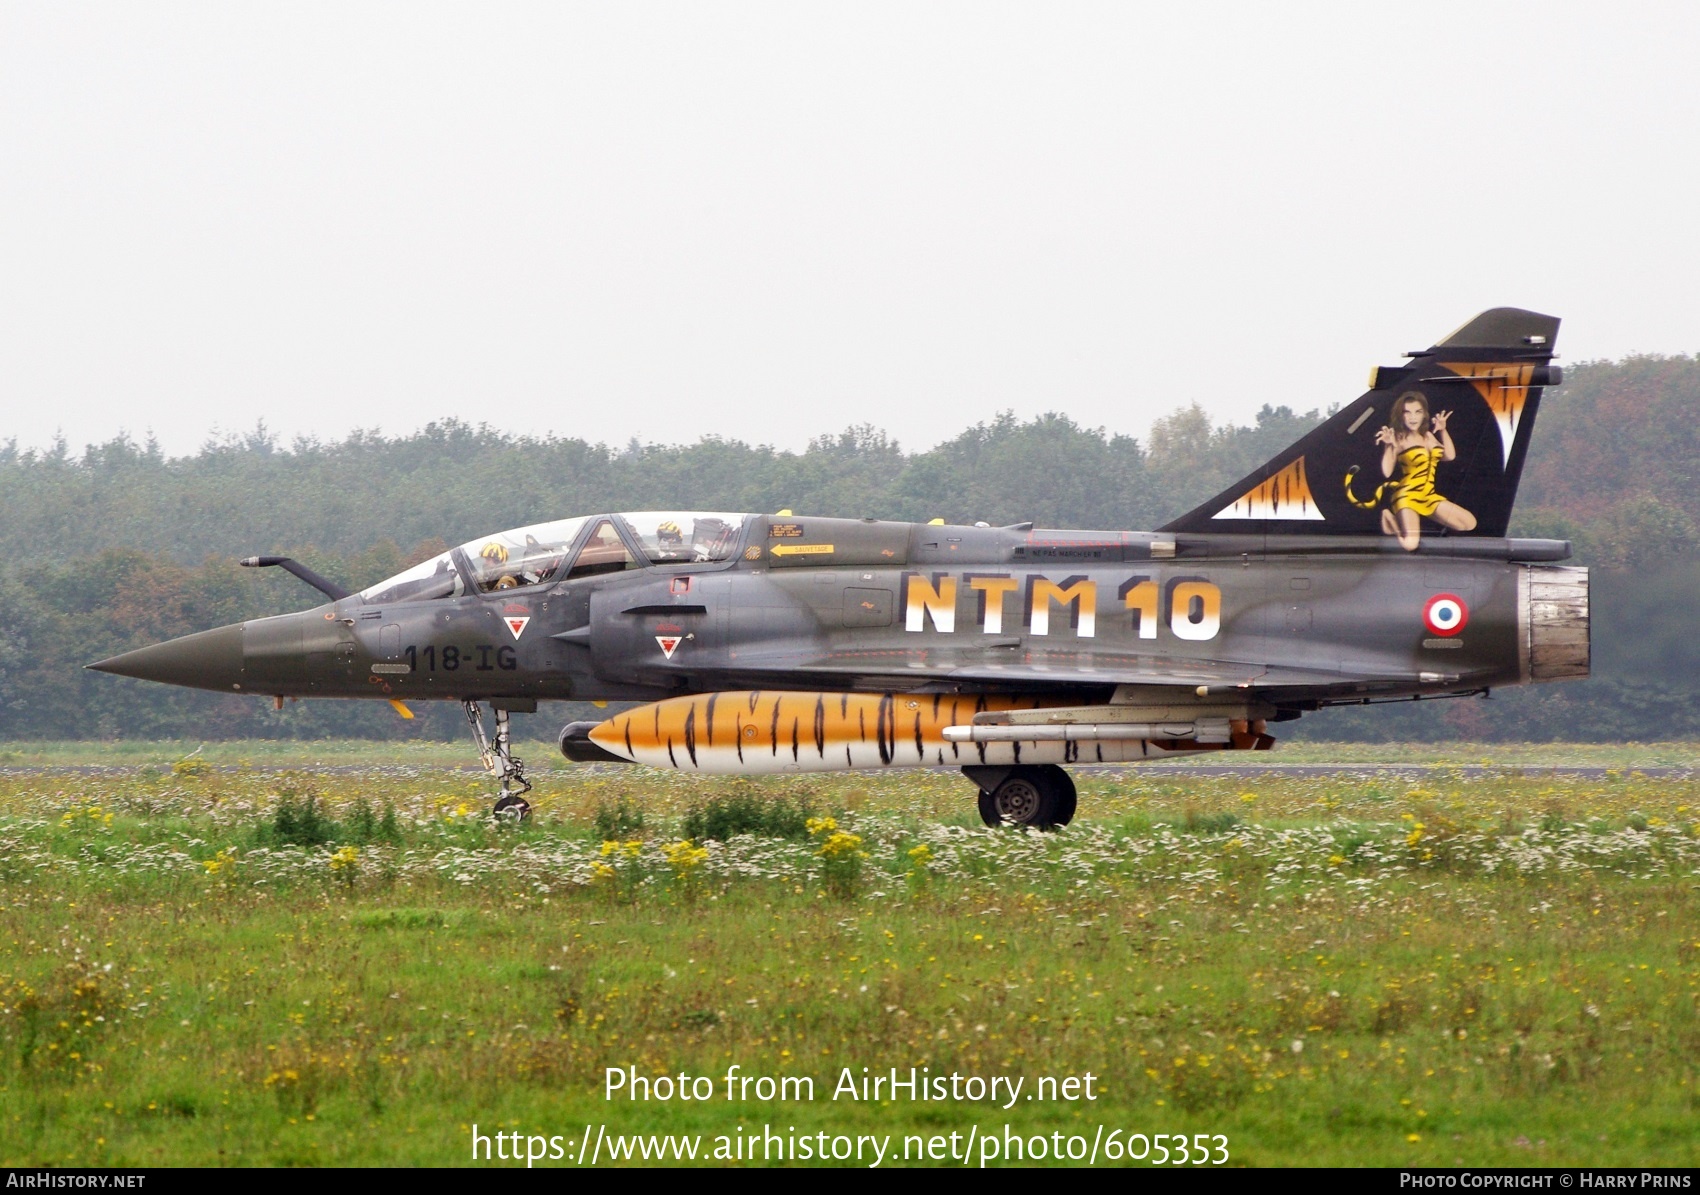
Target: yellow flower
<point>225,860</point>
<point>683,856</point>
<point>347,857</point>
<point>839,845</point>
<point>922,855</point>
<point>821,825</point>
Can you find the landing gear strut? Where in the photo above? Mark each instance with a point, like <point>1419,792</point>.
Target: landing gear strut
<point>498,759</point>
<point>1041,796</point>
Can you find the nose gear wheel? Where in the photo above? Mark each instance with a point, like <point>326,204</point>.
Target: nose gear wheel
<point>498,759</point>
<point>514,807</point>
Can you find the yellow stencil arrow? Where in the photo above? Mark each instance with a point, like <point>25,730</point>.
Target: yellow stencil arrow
<point>801,549</point>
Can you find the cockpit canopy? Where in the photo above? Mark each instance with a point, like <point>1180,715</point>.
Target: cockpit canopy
<point>565,549</point>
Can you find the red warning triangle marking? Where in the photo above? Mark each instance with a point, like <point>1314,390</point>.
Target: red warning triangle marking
<point>516,624</point>
<point>669,644</point>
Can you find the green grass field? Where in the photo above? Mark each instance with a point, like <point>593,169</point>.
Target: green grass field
<point>253,966</point>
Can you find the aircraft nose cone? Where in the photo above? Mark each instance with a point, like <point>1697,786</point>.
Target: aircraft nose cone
<point>207,660</point>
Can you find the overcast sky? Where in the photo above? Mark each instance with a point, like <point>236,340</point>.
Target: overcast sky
<point>769,222</point>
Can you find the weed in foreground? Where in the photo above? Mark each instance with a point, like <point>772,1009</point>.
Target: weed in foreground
<point>744,810</point>
<point>616,820</point>
<point>302,819</point>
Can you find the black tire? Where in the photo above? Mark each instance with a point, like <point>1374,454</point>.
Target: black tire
<point>517,808</point>
<point>1064,798</point>
<point>1026,797</point>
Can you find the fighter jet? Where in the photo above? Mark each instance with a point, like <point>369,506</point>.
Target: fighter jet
<point>1366,563</point>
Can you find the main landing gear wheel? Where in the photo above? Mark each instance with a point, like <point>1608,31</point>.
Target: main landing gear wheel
<point>1067,798</point>
<point>1042,797</point>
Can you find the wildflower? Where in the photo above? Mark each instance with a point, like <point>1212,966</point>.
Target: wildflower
<point>345,864</point>
<point>840,854</point>
<point>225,860</point>
<point>840,844</point>
<point>921,855</point>
<point>684,857</point>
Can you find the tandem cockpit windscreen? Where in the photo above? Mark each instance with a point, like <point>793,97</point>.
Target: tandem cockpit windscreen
<point>565,550</point>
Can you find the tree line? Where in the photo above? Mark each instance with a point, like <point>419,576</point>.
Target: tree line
<point>120,545</point>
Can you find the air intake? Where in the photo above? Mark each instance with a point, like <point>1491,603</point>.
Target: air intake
<point>1555,623</point>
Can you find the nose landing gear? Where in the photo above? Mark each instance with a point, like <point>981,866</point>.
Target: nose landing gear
<point>498,759</point>
<point>1041,796</point>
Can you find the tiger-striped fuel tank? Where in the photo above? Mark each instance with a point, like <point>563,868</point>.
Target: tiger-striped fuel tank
<point>772,731</point>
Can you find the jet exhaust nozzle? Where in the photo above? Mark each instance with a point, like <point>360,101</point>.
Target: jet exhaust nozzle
<point>1555,623</point>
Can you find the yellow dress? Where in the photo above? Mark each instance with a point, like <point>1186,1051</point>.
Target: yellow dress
<point>1413,489</point>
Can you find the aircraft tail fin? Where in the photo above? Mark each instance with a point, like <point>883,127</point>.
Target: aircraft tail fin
<point>1434,447</point>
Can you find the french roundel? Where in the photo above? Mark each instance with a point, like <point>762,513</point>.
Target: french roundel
<point>1446,614</point>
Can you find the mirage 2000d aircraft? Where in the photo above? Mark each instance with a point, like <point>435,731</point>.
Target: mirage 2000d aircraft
<point>1366,563</point>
